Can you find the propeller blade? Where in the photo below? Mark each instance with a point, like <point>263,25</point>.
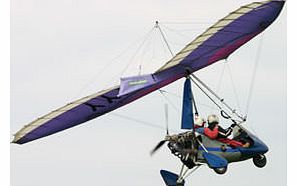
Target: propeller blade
<point>166,118</point>
<point>160,144</point>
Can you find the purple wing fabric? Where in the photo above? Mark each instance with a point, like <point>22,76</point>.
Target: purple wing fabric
<point>132,84</point>
<point>216,43</point>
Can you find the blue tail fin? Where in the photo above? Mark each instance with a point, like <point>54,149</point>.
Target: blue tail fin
<point>187,113</point>
<point>170,178</point>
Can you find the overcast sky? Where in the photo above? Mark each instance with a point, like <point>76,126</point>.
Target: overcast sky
<point>65,49</point>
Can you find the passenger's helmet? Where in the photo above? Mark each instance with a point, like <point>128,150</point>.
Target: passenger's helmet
<point>213,119</point>
<point>199,121</point>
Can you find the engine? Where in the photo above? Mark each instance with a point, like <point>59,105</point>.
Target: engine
<point>185,147</point>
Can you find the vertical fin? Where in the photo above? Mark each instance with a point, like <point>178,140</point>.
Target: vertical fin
<point>187,112</point>
<point>171,178</point>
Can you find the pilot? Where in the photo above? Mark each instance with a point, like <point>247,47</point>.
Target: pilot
<point>213,122</point>
<point>215,131</point>
<point>212,131</point>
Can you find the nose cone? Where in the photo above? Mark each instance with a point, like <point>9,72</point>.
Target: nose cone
<point>259,147</point>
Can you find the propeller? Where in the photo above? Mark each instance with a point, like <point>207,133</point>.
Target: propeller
<point>166,118</point>
<point>161,143</point>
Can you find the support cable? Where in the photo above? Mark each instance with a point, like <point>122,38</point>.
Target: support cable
<point>170,102</point>
<point>176,32</point>
<point>181,171</point>
<point>164,38</point>
<point>191,172</point>
<point>194,103</point>
<point>254,74</point>
<point>185,172</point>
<point>138,121</point>
<point>136,52</point>
<point>221,77</point>
<point>110,63</point>
<point>233,87</point>
<point>219,98</point>
<point>179,97</point>
<point>206,94</point>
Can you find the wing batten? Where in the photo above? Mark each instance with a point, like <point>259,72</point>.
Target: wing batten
<point>209,33</point>
<point>53,115</point>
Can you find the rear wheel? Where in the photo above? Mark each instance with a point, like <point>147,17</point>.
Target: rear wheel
<point>260,160</point>
<point>221,170</point>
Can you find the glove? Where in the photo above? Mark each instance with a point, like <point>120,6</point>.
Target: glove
<point>200,130</point>
<point>233,125</point>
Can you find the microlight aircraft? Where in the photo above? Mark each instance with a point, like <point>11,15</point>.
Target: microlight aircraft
<point>215,44</point>
<point>195,150</point>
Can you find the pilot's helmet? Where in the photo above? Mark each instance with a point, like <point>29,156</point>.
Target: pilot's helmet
<point>213,119</point>
<point>199,121</point>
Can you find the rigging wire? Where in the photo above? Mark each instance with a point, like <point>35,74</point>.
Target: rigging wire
<point>169,49</point>
<point>186,23</point>
<point>218,88</point>
<point>165,50</point>
<point>194,103</point>
<point>176,32</point>
<point>206,93</point>
<point>111,62</point>
<point>142,53</point>
<point>221,77</point>
<point>190,29</point>
<point>164,38</point>
<point>233,111</point>
<point>179,97</point>
<point>153,46</point>
<point>233,87</point>
<point>148,124</point>
<point>170,93</point>
<point>257,61</point>
<point>136,52</point>
<point>170,102</point>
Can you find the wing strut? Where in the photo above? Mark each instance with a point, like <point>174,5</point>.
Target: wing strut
<point>197,81</point>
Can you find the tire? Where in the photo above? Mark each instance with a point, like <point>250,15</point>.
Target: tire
<point>259,160</point>
<point>222,170</point>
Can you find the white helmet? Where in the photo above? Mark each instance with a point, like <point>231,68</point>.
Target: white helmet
<point>213,119</point>
<point>199,121</point>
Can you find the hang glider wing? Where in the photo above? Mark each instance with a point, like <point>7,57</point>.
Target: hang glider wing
<point>216,43</point>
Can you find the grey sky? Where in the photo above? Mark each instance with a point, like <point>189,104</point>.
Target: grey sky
<point>58,51</point>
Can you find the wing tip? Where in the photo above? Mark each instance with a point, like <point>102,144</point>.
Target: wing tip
<point>15,141</point>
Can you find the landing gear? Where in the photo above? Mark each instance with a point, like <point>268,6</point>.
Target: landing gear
<point>222,170</point>
<point>172,179</point>
<point>260,160</point>
<point>180,182</point>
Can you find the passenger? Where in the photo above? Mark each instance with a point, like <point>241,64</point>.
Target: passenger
<point>199,126</point>
<point>198,121</point>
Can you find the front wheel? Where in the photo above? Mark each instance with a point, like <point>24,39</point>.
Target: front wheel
<point>260,160</point>
<point>221,170</point>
